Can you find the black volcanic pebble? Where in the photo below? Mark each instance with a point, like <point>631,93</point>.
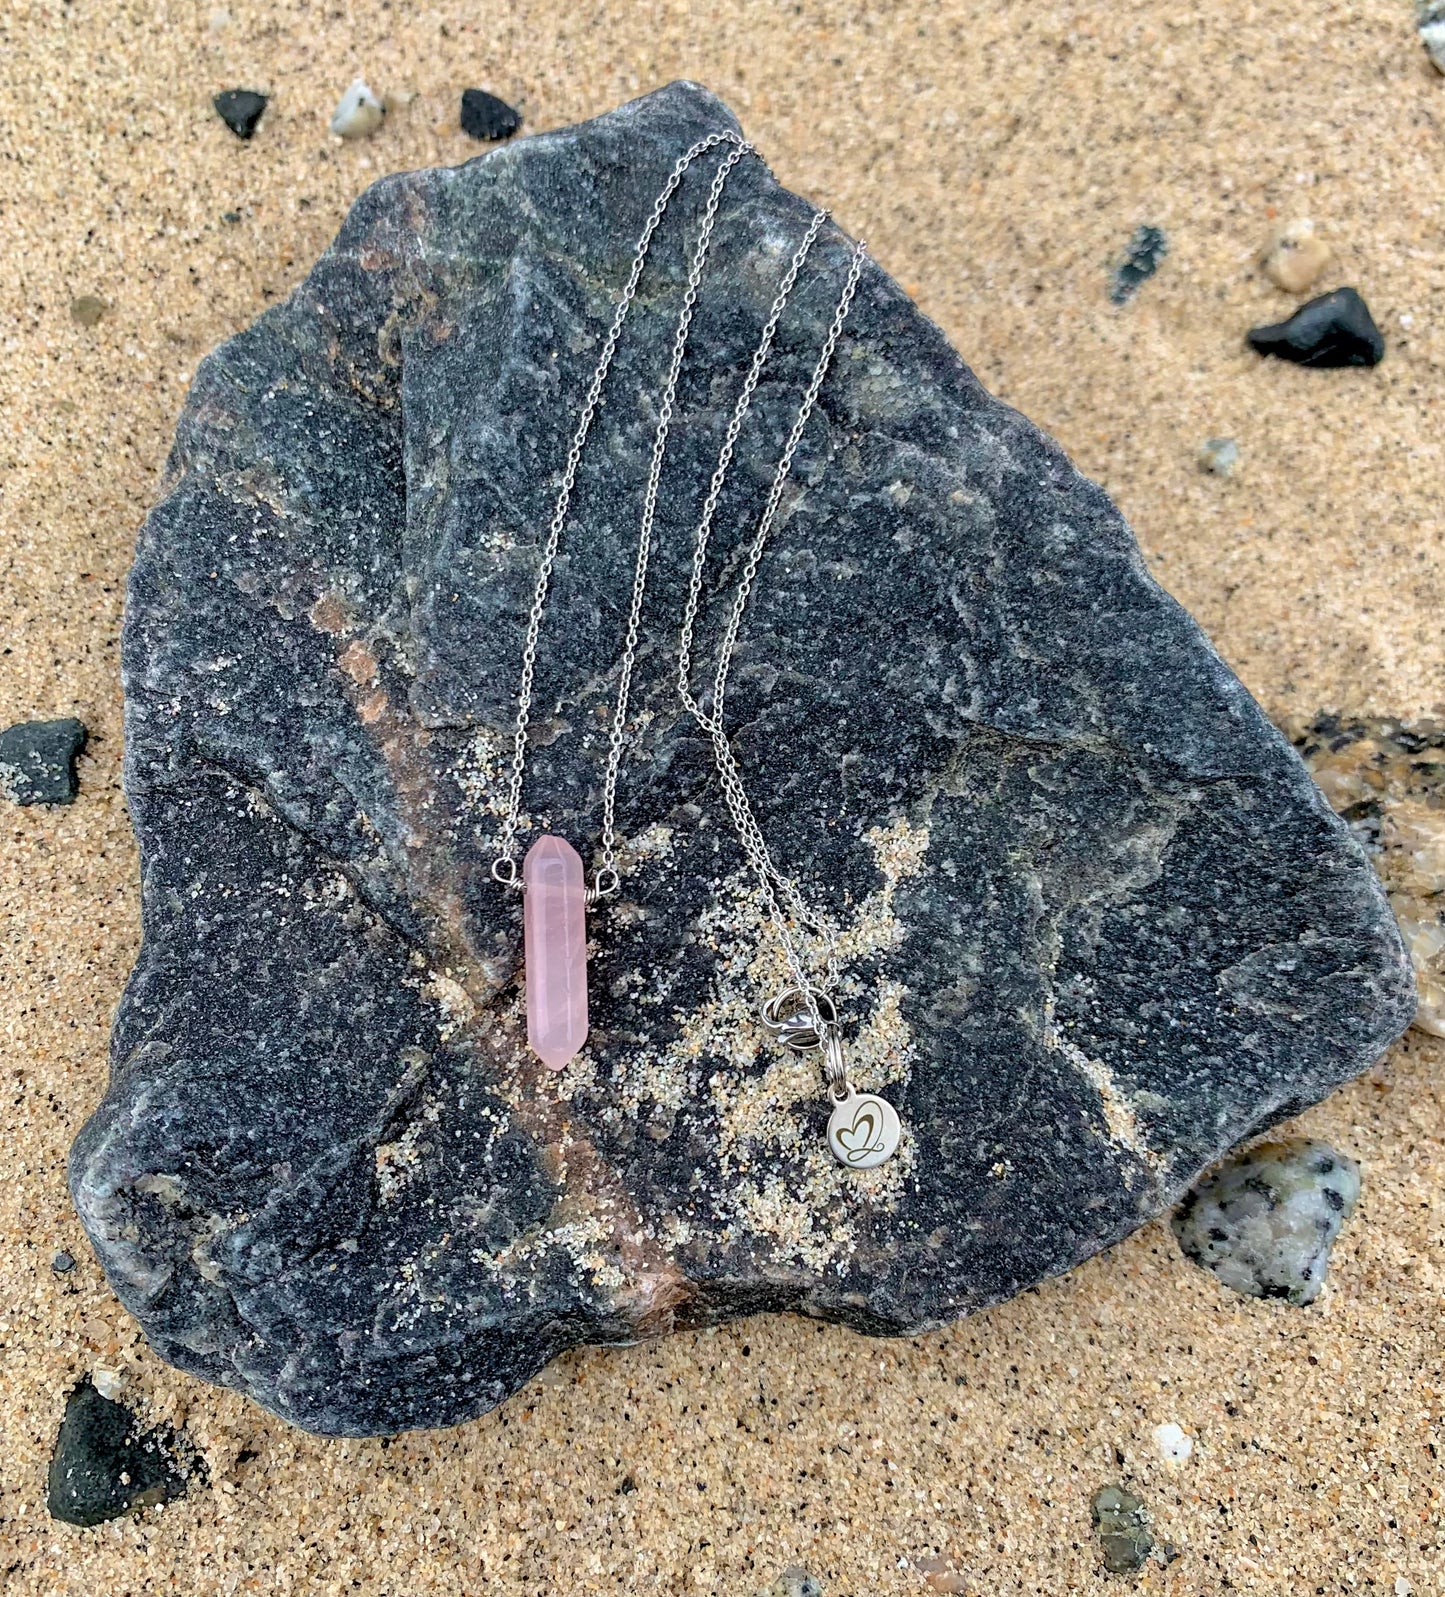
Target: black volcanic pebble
<point>37,761</point>
<point>105,1465</point>
<point>1146,249</point>
<point>484,116</point>
<point>1109,928</point>
<point>1334,330</point>
<point>240,110</point>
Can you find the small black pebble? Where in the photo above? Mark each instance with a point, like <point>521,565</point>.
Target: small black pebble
<point>628,1485</point>
<point>484,116</point>
<point>105,1465</point>
<point>37,761</point>
<point>230,216</point>
<point>1334,330</point>
<point>62,1263</point>
<point>240,110</point>
<point>1146,249</point>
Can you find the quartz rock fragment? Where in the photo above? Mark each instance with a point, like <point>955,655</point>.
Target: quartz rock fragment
<point>1096,924</point>
<point>358,113</point>
<point>1123,1528</point>
<point>1296,256</point>
<point>1175,1444</point>
<point>1219,456</point>
<point>1432,31</point>
<point>1264,1222</point>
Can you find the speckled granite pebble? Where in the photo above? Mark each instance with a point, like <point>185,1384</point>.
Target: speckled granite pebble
<point>1265,1221</point>
<point>1097,923</point>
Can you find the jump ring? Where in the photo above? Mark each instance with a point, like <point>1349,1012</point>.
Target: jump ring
<point>835,1072</point>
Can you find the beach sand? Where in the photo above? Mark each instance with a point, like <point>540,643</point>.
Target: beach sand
<point>997,157</point>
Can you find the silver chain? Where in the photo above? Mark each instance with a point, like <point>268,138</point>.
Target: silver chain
<point>504,867</point>
<point>783,900</point>
<point>773,883</point>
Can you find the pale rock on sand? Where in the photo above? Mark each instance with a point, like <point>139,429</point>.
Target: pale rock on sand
<point>1432,31</point>
<point>1175,1444</point>
<point>795,1581</point>
<point>1219,456</point>
<point>359,112</point>
<point>1264,1222</point>
<point>1296,256</point>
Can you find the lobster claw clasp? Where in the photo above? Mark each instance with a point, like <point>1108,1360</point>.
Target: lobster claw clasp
<point>789,1017</point>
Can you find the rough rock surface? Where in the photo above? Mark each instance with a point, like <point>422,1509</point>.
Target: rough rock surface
<point>106,1464</point>
<point>1097,923</point>
<point>1265,1221</point>
<point>1387,779</point>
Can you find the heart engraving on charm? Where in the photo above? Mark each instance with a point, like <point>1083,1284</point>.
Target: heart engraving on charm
<point>863,1130</point>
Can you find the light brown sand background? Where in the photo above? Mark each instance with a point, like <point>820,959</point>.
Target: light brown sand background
<point>997,156</point>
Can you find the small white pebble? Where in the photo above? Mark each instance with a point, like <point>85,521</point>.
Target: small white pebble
<point>359,112</point>
<point>108,1382</point>
<point>1173,1443</point>
<point>1219,456</point>
<point>1407,321</point>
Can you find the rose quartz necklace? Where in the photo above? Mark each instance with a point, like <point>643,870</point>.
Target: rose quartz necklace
<point>864,1129</point>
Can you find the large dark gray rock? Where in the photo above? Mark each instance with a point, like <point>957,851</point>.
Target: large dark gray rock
<point>1099,925</point>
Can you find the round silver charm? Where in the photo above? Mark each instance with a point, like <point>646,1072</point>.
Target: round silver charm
<point>863,1130</point>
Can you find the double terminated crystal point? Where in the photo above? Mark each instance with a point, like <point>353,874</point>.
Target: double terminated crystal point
<point>555,944</point>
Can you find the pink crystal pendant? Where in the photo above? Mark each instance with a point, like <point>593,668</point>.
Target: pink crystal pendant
<point>555,947</point>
